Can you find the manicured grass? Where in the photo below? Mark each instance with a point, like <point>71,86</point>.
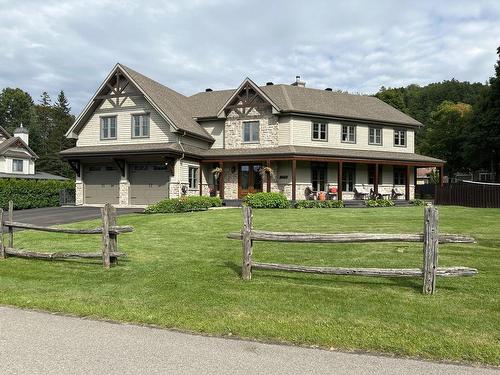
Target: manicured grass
<point>182,272</point>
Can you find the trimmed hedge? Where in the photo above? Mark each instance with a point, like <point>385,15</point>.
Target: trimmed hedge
<point>318,204</point>
<point>266,200</point>
<point>32,193</point>
<point>379,203</point>
<point>184,204</point>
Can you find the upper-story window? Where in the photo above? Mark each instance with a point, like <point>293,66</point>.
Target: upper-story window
<point>108,127</point>
<point>251,131</point>
<point>140,126</point>
<point>319,131</point>
<point>375,136</point>
<point>349,133</point>
<point>17,165</point>
<point>400,137</point>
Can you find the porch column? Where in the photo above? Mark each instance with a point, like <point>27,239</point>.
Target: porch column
<point>294,180</point>
<point>221,180</point>
<point>375,182</point>
<point>200,181</point>
<point>407,183</point>
<point>268,176</point>
<point>340,174</point>
<point>441,171</point>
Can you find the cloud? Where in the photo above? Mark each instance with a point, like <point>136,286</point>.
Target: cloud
<point>190,45</point>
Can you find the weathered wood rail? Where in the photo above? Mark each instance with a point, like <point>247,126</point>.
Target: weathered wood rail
<point>109,232</point>
<point>430,238</point>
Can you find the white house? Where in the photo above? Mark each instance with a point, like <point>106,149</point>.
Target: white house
<point>139,141</point>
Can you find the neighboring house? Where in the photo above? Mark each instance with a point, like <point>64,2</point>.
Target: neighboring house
<point>17,159</point>
<point>139,141</point>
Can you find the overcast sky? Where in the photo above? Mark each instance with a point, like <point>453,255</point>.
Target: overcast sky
<point>189,45</point>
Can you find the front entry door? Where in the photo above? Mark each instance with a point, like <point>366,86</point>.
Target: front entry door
<point>249,179</point>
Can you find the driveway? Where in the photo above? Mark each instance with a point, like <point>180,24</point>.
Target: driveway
<point>62,215</point>
<point>40,343</point>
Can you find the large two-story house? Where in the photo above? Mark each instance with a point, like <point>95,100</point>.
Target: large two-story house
<point>139,141</point>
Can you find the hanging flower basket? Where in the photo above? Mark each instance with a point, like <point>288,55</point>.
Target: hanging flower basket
<point>266,170</point>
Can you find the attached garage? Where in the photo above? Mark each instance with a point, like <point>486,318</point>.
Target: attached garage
<point>148,183</point>
<point>101,184</point>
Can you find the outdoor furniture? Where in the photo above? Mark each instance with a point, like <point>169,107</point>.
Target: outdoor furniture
<point>360,194</point>
<point>396,193</point>
<point>332,193</point>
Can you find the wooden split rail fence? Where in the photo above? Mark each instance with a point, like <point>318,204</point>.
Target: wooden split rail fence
<point>109,233</point>
<point>430,238</point>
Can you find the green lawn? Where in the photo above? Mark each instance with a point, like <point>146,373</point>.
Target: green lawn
<point>182,272</point>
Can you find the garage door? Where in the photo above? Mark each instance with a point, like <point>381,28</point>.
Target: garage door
<point>102,184</point>
<point>148,183</point>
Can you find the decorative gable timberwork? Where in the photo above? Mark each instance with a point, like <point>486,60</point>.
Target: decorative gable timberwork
<point>246,100</point>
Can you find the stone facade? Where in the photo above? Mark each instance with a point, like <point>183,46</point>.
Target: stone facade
<point>268,129</point>
<point>79,193</point>
<point>124,192</point>
<point>230,181</point>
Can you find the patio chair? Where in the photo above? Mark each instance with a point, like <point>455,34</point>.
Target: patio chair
<point>396,193</point>
<point>360,194</point>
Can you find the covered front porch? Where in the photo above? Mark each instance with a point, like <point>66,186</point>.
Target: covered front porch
<point>303,178</point>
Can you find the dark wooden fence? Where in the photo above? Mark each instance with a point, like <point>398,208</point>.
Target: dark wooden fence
<point>425,191</point>
<point>109,232</point>
<point>431,239</point>
<point>469,195</point>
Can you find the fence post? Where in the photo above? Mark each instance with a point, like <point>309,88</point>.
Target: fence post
<point>105,236</point>
<point>246,269</point>
<point>113,246</point>
<point>431,244</point>
<point>11,228</point>
<point>2,246</point>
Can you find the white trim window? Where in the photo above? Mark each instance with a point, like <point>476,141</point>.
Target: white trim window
<point>319,131</point>
<point>399,137</point>
<point>375,136</point>
<point>349,133</point>
<point>108,127</point>
<point>193,177</point>
<point>140,126</point>
<point>17,165</point>
<point>251,130</point>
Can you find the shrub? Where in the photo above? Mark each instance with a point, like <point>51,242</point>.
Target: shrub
<point>184,204</point>
<point>418,202</point>
<point>32,193</point>
<point>266,200</point>
<point>318,204</point>
<point>379,203</point>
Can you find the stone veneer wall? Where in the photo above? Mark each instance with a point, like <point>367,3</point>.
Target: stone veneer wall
<point>79,193</point>
<point>268,129</point>
<point>124,193</point>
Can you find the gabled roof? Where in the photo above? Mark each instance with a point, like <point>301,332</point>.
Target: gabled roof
<point>247,81</point>
<point>315,102</point>
<point>13,142</point>
<point>4,132</point>
<point>171,105</point>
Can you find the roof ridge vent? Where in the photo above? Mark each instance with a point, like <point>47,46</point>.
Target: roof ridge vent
<point>208,89</point>
<point>328,89</point>
<point>269,83</point>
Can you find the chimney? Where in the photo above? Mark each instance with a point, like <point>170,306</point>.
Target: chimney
<point>208,90</point>
<point>298,82</point>
<point>22,133</point>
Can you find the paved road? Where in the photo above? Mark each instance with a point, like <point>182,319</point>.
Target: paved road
<point>39,343</point>
<point>63,215</point>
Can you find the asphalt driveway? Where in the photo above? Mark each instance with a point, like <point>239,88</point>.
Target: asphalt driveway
<point>63,215</point>
<point>39,343</point>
